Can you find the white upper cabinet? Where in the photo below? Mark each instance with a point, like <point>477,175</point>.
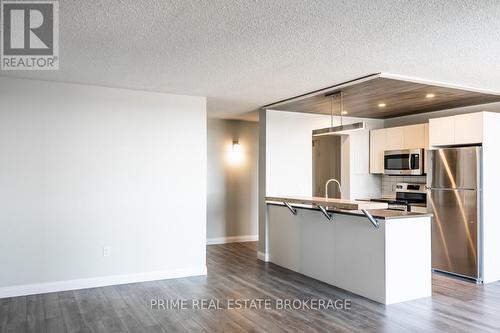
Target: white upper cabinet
<point>426,145</point>
<point>414,136</point>
<point>377,147</point>
<point>469,128</point>
<point>446,131</point>
<point>456,130</point>
<point>441,131</point>
<point>394,138</point>
<point>426,135</point>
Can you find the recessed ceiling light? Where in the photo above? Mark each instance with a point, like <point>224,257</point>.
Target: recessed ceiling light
<point>381,105</point>
<point>344,112</point>
<point>430,95</point>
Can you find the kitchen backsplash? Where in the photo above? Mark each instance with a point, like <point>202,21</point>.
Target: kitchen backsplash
<point>389,183</point>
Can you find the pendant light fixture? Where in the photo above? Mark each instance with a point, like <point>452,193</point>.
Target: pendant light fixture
<point>342,129</point>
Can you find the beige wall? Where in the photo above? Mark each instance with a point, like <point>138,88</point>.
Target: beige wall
<point>232,209</point>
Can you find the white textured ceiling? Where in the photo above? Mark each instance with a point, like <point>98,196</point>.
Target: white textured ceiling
<point>248,53</point>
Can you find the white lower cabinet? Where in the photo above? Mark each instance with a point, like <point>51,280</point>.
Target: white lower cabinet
<point>364,245</point>
<point>302,244</point>
<point>390,264</point>
<point>286,228</point>
<point>317,247</point>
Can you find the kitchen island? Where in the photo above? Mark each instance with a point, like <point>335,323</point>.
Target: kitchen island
<point>362,247</point>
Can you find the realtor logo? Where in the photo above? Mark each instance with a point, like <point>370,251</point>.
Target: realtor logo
<point>30,35</point>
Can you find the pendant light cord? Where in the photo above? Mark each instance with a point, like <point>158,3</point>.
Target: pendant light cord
<point>341,108</point>
<point>331,111</point>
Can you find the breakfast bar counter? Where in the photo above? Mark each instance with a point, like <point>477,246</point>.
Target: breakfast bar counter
<point>379,214</point>
<point>377,253</point>
<point>330,202</point>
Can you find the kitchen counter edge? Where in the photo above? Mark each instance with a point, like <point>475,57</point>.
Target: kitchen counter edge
<point>381,214</point>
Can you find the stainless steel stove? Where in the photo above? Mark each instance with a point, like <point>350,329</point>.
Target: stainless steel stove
<point>407,197</point>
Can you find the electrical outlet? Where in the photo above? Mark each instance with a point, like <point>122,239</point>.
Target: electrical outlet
<point>106,251</point>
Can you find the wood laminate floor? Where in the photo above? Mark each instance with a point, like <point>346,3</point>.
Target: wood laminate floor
<point>235,273</point>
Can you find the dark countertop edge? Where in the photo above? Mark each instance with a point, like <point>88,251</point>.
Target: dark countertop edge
<point>392,214</point>
<point>414,204</point>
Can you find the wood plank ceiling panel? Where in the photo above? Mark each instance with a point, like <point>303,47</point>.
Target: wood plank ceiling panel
<point>400,97</point>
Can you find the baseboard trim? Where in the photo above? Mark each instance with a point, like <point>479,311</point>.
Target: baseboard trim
<point>232,239</point>
<point>49,287</point>
<point>263,256</point>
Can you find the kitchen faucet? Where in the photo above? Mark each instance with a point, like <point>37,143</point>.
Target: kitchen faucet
<point>326,187</point>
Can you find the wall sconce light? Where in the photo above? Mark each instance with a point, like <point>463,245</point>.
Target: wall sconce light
<point>236,147</point>
<point>235,156</point>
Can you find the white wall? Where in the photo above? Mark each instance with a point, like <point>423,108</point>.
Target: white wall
<point>289,152</point>
<point>289,155</point>
<point>263,242</point>
<point>358,181</point>
<point>232,194</point>
<point>84,167</point>
<point>491,194</point>
<point>285,160</point>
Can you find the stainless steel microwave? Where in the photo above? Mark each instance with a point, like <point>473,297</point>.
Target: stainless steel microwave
<point>404,162</point>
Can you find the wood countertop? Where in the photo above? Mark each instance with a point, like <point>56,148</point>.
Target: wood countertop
<point>330,202</point>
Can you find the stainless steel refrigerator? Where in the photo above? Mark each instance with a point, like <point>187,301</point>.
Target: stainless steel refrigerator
<point>455,188</point>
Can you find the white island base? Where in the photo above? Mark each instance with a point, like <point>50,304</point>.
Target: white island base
<point>390,264</point>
